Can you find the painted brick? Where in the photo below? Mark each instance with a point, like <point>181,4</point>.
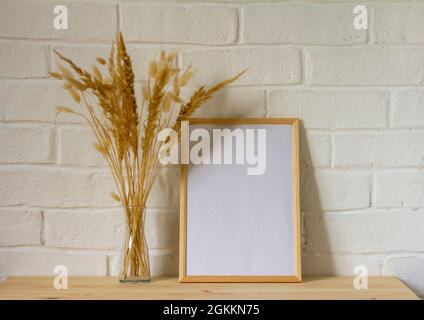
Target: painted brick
<point>399,189</point>
<point>399,23</point>
<point>331,109</point>
<point>76,148</point>
<point>165,190</point>
<point>22,60</point>
<point>269,65</point>
<point>366,66</point>
<point>365,231</point>
<point>315,148</point>
<point>179,23</point>
<point>408,109</point>
<point>34,102</point>
<point>324,189</point>
<point>30,144</point>
<point>36,262</point>
<point>67,188</point>
<point>20,227</point>
<point>234,102</point>
<point>34,19</point>
<point>301,24</point>
<point>162,228</point>
<point>164,264</point>
<point>51,187</point>
<point>379,149</point>
<point>340,264</point>
<point>100,229</point>
<point>83,229</point>
<point>85,57</point>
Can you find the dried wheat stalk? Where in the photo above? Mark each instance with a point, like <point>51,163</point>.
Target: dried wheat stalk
<point>126,132</point>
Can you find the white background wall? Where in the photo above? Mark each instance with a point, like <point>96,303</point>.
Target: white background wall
<point>359,93</point>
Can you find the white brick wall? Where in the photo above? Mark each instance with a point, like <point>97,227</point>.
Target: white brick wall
<point>180,23</point>
<point>358,93</point>
<point>285,24</point>
<point>32,20</point>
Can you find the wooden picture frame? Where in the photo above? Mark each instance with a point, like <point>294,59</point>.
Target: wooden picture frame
<point>295,243</point>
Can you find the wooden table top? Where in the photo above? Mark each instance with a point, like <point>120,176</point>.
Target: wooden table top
<point>321,287</point>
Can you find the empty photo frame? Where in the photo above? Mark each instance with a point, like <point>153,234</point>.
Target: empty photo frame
<point>240,220</point>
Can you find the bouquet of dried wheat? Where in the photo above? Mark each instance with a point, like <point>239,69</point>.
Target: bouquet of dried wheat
<point>126,131</point>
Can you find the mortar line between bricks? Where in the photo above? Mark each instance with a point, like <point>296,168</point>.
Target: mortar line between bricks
<point>97,210</point>
<point>240,26</point>
<point>305,67</point>
<point>361,211</point>
<point>332,150</point>
<point>154,250</point>
<point>373,190</point>
<point>297,86</point>
<point>381,130</point>
<point>371,22</point>
<point>58,145</point>
<point>371,168</point>
<point>187,3</point>
<point>370,252</point>
<point>266,104</point>
<point>42,231</point>
<point>258,2</point>
<point>104,170</point>
<point>288,87</point>
<point>134,44</point>
<point>49,62</point>
<point>28,124</point>
<point>156,210</point>
<point>34,124</point>
<point>383,254</point>
<point>79,208</point>
<point>390,111</point>
<point>79,126</point>
<point>24,248</point>
<point>82,169</point>
<point>108,265</point>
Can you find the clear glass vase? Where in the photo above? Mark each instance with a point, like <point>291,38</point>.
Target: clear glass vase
<point>135,265</point>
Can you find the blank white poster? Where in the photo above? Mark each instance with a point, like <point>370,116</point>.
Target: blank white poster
<point>240,224</point>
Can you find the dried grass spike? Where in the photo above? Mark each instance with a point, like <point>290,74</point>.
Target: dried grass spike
<point>146,95</point>
<point>56,75</point>
<point>177,99</point>
<point>60,109</point>
<point>153,69</point>
<point>176,85</point>
<point>65,71</point>
<point>76,84</point>
<point>97,73</point>
<point>100,148</point>
<point>167,101</point>
<point>101,60</point>
<point>74,95</point>
<point>115,197</point>
<point>185,78</point>
<point>171,56</point>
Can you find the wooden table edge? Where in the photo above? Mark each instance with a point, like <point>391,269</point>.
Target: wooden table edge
<point>168,288</point>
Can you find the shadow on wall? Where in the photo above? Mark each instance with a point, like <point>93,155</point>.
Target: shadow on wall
<point>313,262</point>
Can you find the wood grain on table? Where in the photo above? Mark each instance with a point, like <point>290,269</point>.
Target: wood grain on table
<point>317,287</point>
